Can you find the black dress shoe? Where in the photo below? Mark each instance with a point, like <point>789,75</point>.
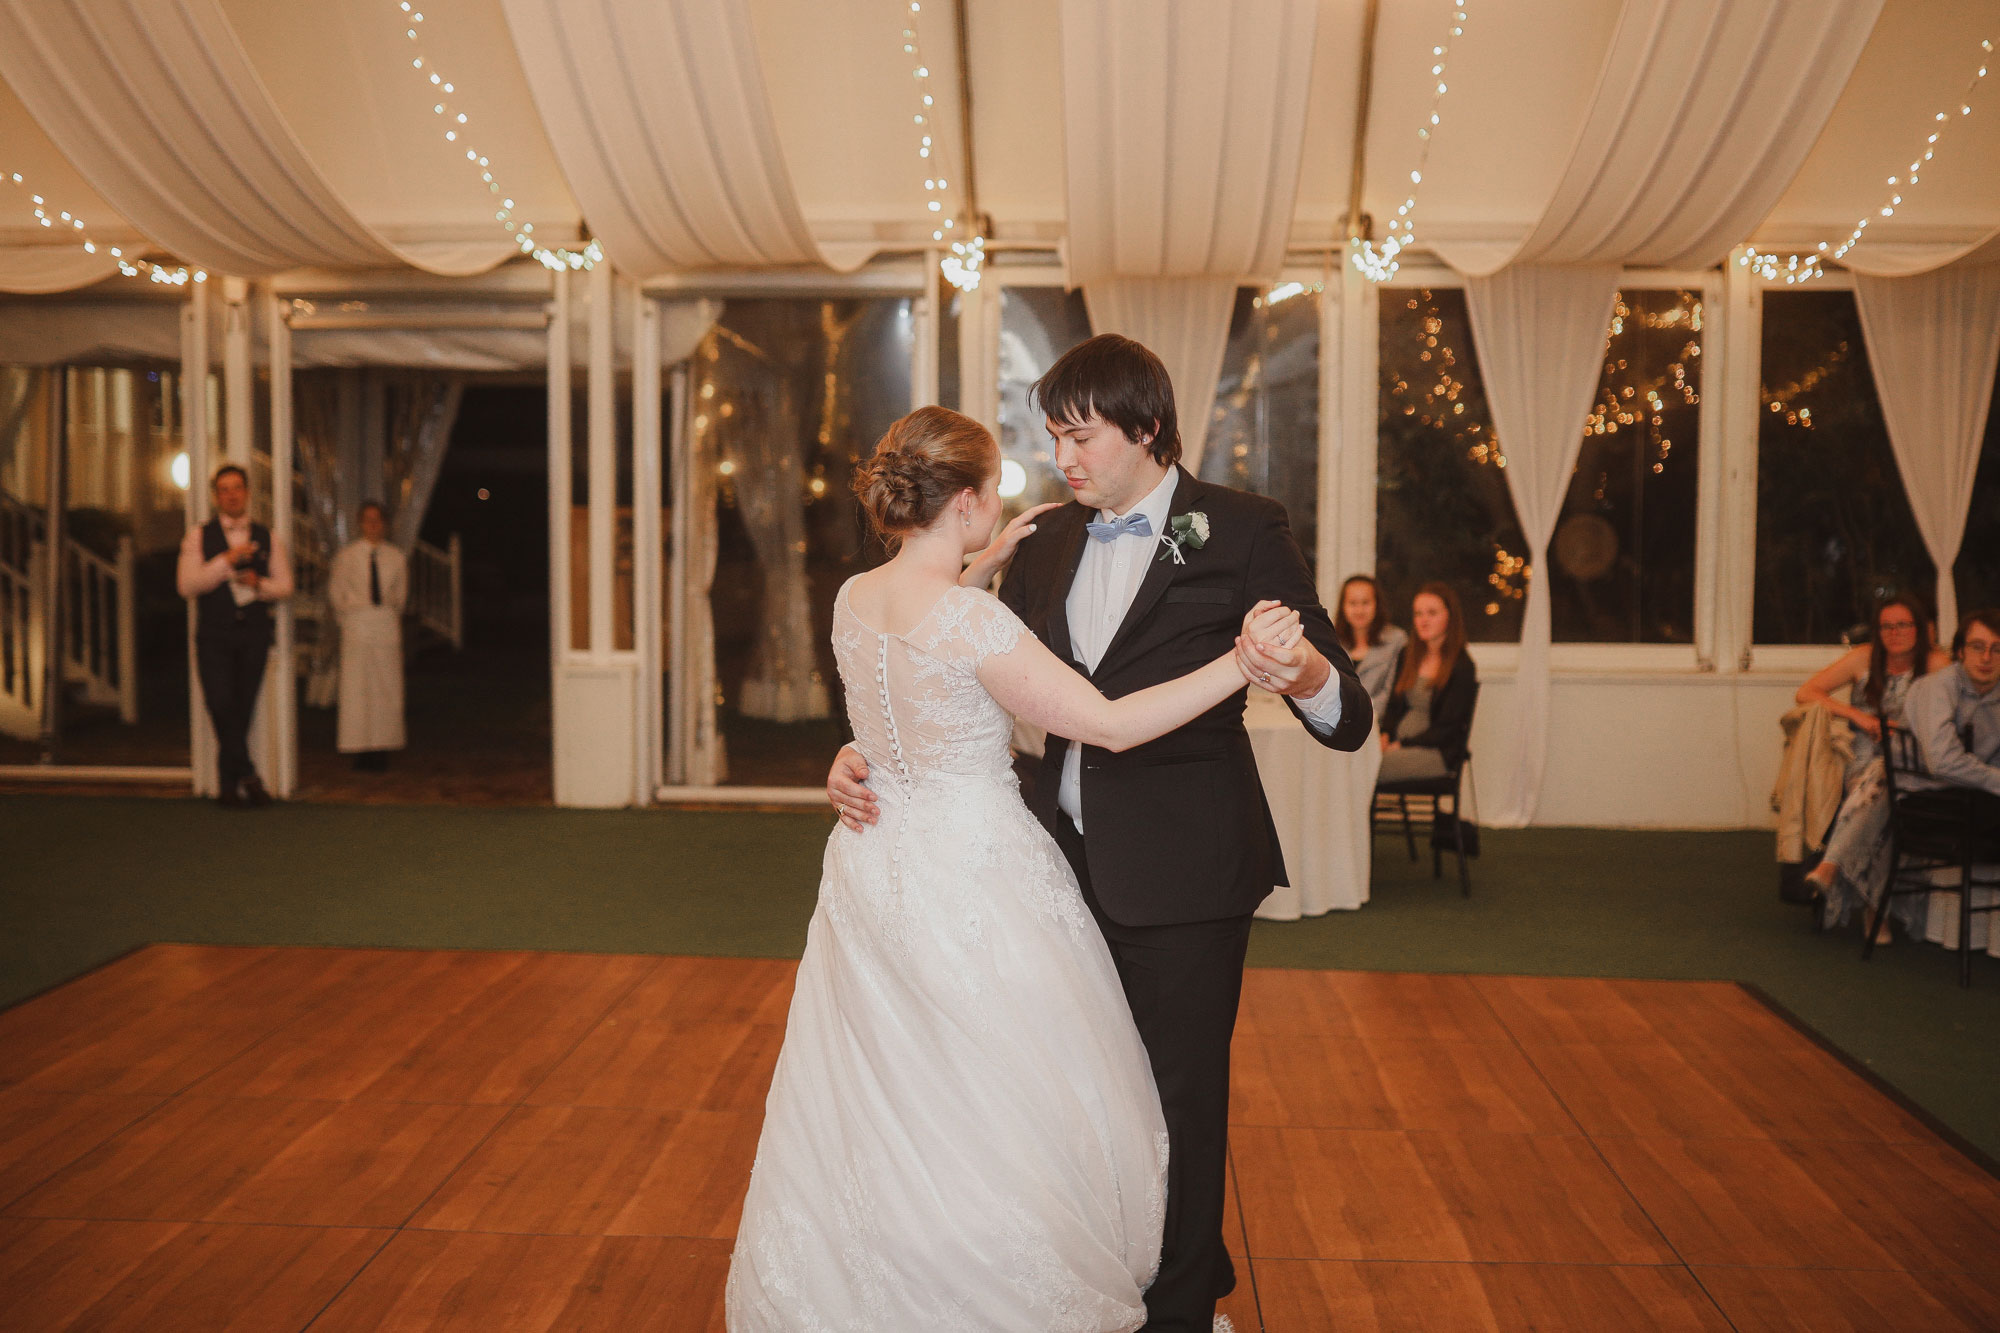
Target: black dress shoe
<point>230,798</point>
<point>254,794</point>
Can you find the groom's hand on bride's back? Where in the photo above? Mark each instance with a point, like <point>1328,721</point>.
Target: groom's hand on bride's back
<point>844,788</point>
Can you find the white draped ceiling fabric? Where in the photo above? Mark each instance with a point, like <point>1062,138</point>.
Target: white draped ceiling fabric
<point>161,110</point>
<point>1933,345</point>
<point>1183,128</point>
<point>1185,321</point>
<point>1703,113</point>
<point>1539,332</point>
<point>659,116</point>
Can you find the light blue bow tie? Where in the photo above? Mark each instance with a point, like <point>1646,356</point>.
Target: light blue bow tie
<point>1138,525</point>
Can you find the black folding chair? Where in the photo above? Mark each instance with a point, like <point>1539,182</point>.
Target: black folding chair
<point>1438,789</point>
<point>1940,840</point>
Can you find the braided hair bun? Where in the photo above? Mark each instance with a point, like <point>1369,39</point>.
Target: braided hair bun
<point>923,460</point>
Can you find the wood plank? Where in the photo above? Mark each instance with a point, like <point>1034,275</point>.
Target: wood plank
<point>325,1164</point>
<point>604,1171</point>
<point>144,1277</point>
<point>1614,1011</point>
<point>1651,1088</point>
<point>1482,1298</point>
<point>42,1132</point>
<point>1386,1005</point>
<point>451,1027</point>
<point>1374,1194</point>
<point>141,1050</point>
<point>1402,1083</point>
<point>471,1282</point>
<point>665,1064</point>
<point>1819,1300</point>
<point>1782,1204</point>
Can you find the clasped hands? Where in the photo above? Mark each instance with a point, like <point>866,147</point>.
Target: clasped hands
<point>1274,654</point>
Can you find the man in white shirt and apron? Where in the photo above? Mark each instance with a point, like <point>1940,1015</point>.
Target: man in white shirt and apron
<point>368,588</point>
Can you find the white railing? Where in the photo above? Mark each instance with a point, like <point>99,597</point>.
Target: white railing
<point>21,651</point>
<point>436,589</point>
<point>98,633</point>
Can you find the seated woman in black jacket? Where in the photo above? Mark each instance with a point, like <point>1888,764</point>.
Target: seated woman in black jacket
<point>1429,718</point>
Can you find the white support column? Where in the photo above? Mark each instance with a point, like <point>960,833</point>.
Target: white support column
<point>239,417</point>
<point>1736,546</point>
<point>596,688</point>
<point>281,687</point>
<point>194,435</point>
<point>646,546</point>
<point>560,464</point>
<point>603,462</point>
<point>1712,605</point>
<point>1350,351</point>
<point>680,488</point>
<point>926,324</point>
<point>979,355</point>
<point>238,376</point>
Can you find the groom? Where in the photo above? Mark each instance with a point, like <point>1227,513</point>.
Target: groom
<point>1148,576</point>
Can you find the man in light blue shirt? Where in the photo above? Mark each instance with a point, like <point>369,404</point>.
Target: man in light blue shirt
<point>1955,714</point>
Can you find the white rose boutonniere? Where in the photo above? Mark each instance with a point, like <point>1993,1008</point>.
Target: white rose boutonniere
<point>1184,531</point>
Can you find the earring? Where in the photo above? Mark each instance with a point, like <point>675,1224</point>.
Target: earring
<point>967,517</point>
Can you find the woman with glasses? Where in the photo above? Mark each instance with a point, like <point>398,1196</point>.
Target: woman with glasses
<point>1877,675</point>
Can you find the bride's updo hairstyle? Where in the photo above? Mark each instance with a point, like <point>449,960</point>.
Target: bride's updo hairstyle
<point>922,462</point>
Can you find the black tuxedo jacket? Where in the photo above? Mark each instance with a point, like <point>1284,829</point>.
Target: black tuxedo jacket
<point>1177,830</point>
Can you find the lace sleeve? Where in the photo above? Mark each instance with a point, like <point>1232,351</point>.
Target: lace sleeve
<point>974,626</point>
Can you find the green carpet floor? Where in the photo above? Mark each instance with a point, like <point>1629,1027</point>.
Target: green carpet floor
<point>82,880</point>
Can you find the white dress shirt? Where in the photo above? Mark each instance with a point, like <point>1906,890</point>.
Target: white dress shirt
<point>195,576</point>
<point>1107,579</point>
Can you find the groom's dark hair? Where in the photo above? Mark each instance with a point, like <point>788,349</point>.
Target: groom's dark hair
<point>1120,381</point>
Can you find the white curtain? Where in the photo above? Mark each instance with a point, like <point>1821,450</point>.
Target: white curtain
<point>1933,342</point>
<point>1540,334</point>
<point>659,116</point>
<point>418,438</point>
<point>160,109</point>
<point>1703,112</point>
<point>1183,129</point>
<point>1186,323</point>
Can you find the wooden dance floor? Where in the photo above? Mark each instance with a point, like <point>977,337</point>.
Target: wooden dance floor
<point>347,1140</point>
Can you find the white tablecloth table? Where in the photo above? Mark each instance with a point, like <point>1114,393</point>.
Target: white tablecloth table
<point>1319,800</point>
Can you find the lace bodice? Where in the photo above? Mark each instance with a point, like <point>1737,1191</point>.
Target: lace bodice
<point>914,700</point>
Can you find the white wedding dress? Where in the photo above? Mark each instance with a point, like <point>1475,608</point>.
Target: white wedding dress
<point>962,1132</point>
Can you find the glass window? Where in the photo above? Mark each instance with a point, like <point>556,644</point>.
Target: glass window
<point>1442,512</point>
<point>793,395</point>
<point>1263,434</point>
<point>1834,531</point>
<point>1037,325</point>
<point>1622,554</point>
<point>1978,569</point>
<point>1621,561</point>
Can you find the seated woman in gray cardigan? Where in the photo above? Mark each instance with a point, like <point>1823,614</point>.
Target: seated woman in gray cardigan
<point>1428,722</point>
<point>1362,625</point>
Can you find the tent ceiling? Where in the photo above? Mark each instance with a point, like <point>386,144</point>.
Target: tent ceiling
<point>842,96</point>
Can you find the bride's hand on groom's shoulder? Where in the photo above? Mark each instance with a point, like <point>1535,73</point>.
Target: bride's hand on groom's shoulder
<point>987,564</point>
<point>844,788</point>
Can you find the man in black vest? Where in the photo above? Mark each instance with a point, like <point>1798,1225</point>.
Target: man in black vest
<point>1148,576</point>
<point>233,570</point>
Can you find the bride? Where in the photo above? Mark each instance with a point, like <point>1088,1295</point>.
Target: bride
<point>962,1132</point>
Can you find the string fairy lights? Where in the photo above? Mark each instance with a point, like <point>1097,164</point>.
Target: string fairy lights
<point>457,133</point>
<point>1379,264</point>
<point>1796,268</point>
<point>171,275</point>
<point>961,267</point>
